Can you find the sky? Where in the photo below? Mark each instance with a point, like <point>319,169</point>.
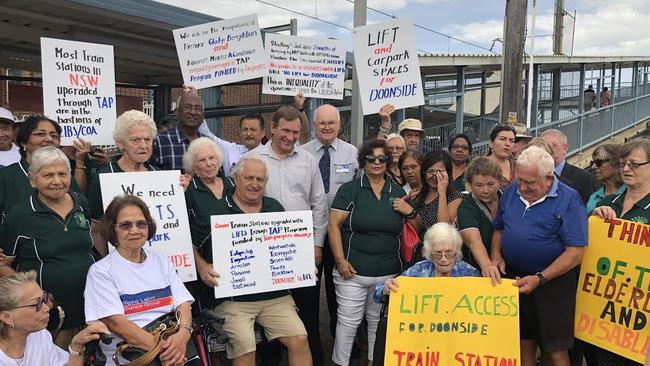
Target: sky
<point>602,27</point>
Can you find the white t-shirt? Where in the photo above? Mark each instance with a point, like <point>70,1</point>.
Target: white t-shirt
<point>140,291</point>
<point>10,156</point>
<point>39,350</point>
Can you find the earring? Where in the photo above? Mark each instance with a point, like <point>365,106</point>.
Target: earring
<point>12,325</point>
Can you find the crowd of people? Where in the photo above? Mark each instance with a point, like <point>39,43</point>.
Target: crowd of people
<point>520,212</point>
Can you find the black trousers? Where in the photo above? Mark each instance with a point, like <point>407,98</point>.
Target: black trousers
<point>307,301</point>
<point>330,291</point>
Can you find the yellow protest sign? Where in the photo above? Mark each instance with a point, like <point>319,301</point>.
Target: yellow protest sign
<point>453,322</point>
<point>613,297</point>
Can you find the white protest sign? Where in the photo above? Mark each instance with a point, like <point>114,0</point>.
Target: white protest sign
<point>387,66</point>
<point>221,52</point>
<point>163,194</point>
<point>79,89</point>
<point>263,252</point>
<point>314,67</point>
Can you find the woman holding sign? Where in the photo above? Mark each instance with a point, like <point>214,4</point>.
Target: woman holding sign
<point>132,286</point>
<point>134,134</point>
<point>634,205</point>
<point>364,229</point>
<point>49,232</point>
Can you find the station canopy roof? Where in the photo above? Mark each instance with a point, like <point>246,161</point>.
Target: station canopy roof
<point>139,30</point>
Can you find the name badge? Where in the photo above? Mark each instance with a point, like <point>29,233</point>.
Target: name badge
<point>342,168</point>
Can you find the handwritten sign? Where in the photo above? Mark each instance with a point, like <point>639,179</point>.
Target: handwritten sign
<point>387,66</point>
<point>453,321</point>
<point>79,89</point>
<point>263,252</point>
<point>164,196</point>
<point>314,67</point>
<point>221,52</point>
<point>613,298</point>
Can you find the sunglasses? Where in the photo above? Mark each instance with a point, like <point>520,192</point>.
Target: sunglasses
<point>127,225</point>
<point>598,162</point>
<point>46,298</point>
<point>374,159</point>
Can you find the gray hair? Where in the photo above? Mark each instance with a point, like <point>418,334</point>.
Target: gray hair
<point>193,149</point>
<point>130,119</point>
<point>252,157</point>
<point>45,156</point>
<point>326,106</point>
<point>439,233</point>
<point>396,136</point>
<point>535,156</point>
<point>9,286</point>
<point>558,133</point>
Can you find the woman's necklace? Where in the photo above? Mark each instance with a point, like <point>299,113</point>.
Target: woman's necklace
<point>18,361</point>
<point>65,224</point>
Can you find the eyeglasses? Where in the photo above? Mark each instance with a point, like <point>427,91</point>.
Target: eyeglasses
<point>432,172</point>
<point>634,166</point>
<point>46,298</point>
<point>127,225</point>
<point>395,148</point>
<point>449,254</point>
<point>327,123</point>
<point>191,108</point>
<point>460,147</point>
<point>376,159</point>
<point>598,162</point>
<point>43,134</point>
<point>408,168</point>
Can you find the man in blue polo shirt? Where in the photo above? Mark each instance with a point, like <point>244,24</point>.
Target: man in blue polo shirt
<point>540,232</point>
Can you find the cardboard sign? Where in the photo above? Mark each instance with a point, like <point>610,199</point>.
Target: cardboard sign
<point>221,52</point>
<point>263,252</point>
<point>314,67</point>
<point>613,297</point>
<point>164,196</point>
<point>453,321</point>
<point>79,89</point>
<point>387,65</point>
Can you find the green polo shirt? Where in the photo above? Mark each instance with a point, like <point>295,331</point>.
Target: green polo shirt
<point>227,206</point>
<point>201,204</point>
<point>95,189</point>
<point>36,236</point>
<point>371,232</point>
<point>640,211</point>
<point>472,213</point>
<point>15,187</point>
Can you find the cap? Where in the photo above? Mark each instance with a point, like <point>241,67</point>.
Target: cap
<point>410,124</point>
<point>521,132</point>
<point>6,115</point>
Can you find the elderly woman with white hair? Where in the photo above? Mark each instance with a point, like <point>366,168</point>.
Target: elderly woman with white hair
<point>49,232</point>
<point>203,161</point>
<point>443,258</point>
<point>396,146</point>
<point>134,134</point>
<point>24,313</point>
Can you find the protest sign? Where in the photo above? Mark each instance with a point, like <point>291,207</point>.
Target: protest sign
<point>613,297</point>
<point>79,89</point>
<point>263,252</point>
<point>314,67</point>
<point>462,321</point>
<point>387,66</point>
<point>164,196</point>
<point>221,52</point>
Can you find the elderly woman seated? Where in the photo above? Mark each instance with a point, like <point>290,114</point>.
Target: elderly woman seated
<point>442,250</point>
<point>24,313</point>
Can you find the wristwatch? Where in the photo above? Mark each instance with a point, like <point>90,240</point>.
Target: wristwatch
<point>542,279</point>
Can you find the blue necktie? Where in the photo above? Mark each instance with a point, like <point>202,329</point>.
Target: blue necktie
<point>324,167</point>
